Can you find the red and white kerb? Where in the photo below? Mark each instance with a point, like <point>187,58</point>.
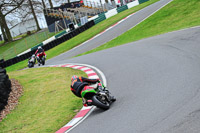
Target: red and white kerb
<point>83,112</point>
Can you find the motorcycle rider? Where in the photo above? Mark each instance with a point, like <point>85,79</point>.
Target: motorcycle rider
<point>40,53</point>
<point>80,83</point>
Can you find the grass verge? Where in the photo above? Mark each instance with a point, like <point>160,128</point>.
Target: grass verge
<point>14,48</point>
<point>47,103</point>
<point>1,42</point>
<point>177,15</point>
<point>85,35</point>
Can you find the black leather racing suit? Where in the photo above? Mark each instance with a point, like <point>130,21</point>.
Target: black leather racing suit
<point>79,83</point>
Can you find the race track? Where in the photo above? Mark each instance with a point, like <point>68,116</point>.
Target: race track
<point>156,82</point>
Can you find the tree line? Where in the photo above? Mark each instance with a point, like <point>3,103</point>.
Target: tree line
<point>22,9</point>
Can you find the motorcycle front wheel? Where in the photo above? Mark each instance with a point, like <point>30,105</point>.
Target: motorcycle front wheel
<point>43,61</point>
<point>100,104</point>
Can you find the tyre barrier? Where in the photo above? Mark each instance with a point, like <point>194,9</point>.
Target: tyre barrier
<point>47,46</point>
<point>122,8</point>
<point>5,88</point>
<point>142,1</point>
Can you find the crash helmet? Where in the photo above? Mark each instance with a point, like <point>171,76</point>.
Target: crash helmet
<point>74,77</point>
<point>39,47</point>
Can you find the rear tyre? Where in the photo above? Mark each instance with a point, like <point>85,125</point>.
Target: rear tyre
<point>30,65</point>
<point>97,102</point>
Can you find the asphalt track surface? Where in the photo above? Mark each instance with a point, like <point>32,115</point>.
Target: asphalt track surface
<point>156,82</point>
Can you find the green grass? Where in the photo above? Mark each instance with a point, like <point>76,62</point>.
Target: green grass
<point>47,102</point>
<point>17,66</point>
<point>14,48</point>
<point>84,36</point>
<point>177,15</point>
<point>1,42</point>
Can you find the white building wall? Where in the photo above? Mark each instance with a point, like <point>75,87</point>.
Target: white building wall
<point>91,2</point>
<point>97,3</point>
<point>23,27</point>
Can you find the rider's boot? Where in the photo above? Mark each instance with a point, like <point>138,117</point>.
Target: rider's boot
<point>84,102</point>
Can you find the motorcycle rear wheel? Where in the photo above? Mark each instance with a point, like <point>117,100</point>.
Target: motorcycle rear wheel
<point>100,104</point>
<point>30,65</point>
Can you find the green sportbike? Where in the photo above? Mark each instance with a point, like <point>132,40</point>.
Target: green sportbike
<point>98,96</point>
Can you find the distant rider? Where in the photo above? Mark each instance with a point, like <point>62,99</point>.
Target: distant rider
<point>40,53</point>
<point>80,83</point>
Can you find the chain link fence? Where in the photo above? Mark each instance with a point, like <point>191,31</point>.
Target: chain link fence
<point>21,45</point>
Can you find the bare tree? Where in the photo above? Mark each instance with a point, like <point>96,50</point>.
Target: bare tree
<point>34,15</point>
<point>7,7</point>
<point>43,3</point>
<point>3,32</point>
<point>51,4</point>
<point>30,9</point>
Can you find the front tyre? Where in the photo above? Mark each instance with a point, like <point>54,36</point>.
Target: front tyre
<point>101,104</point>
<point>43,61</point>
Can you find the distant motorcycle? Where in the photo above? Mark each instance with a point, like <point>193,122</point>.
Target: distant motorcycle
<point>31,61</point>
